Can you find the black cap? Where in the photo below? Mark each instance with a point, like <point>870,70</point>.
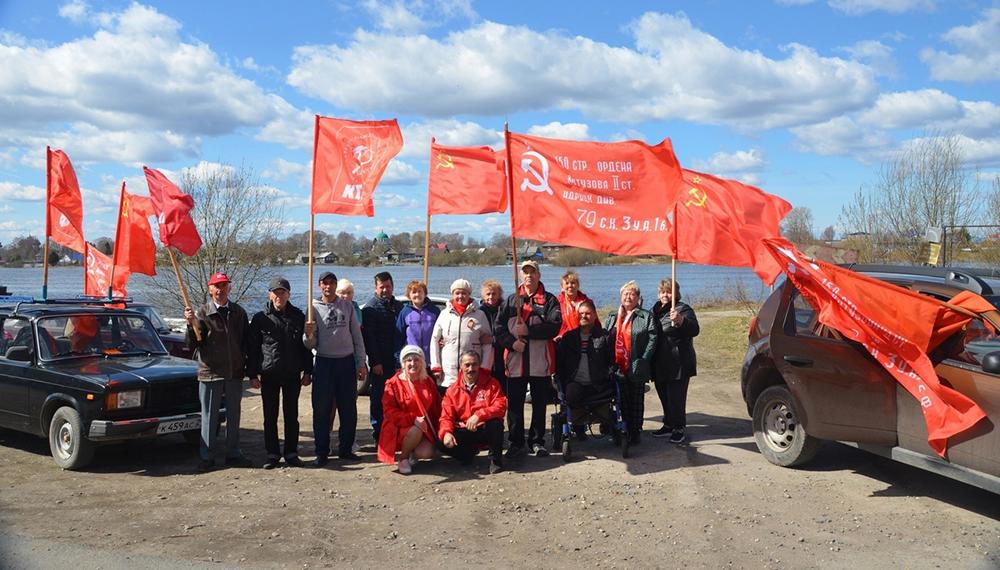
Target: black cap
<point>279,283</point>
<point>326,275</point>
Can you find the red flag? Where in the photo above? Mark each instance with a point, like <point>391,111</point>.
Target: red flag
<point>894,324</point>
<point>97,274</point>
<point>722,222</point>
<point>349,158</point>
<point>465,180</point>
<point>611,197</point>
<point>173,211</point>
<point>135,250</point>
<point>64,204</point>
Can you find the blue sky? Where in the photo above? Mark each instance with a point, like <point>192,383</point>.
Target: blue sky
<point>803,98</point>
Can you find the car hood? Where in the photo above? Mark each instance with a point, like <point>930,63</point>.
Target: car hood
<point>132,370</point>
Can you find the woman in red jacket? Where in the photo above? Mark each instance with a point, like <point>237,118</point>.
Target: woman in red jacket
<point>411,406</point>
<point>472,413</point>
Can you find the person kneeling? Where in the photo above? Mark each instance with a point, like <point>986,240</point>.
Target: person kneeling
<point>410,404</point>
<point>472,413</point>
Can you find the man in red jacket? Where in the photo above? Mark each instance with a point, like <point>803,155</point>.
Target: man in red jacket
<point>472,413</point>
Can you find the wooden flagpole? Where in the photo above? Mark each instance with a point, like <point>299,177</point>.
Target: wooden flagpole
<point>312,226</point>
<point>427,241</point>
<point>48,222</point>
<point>510,201</point>
<point>673,264</point>
<point>180,283</point>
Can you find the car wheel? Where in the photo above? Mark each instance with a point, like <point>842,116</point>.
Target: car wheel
<point>70,448</point>
<point>777,431</point>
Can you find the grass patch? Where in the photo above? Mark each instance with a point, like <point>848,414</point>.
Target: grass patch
<point>722,344</point>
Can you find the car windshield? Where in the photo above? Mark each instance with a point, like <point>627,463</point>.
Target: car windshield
<point>85,335</point>
<point>153,316</point>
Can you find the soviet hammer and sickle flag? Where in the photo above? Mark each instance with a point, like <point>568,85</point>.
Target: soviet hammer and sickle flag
<point>64,204</point>
<point>465,180</point>
<point>173,212</point>
<point>722,222</point>
<point>611,197</point>
<point>349,158</point>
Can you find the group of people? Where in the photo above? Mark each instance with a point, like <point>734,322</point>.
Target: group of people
<point>441,380</point>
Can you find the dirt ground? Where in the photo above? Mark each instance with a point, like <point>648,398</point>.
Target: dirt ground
<point>715,503</point>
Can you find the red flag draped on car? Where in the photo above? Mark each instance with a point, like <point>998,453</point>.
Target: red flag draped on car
<point>135,250</point>
<point>465,180</point>
<point>349,158</point>
<point>173,212</point>
<point>64,204</point>
<point>97,273</point>
<point>721,222</point>
<point>611,197</point>
<point>894,324</point>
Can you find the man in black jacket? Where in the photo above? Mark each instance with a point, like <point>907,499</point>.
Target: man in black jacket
<point>378,318</point>
<point>280,365</point>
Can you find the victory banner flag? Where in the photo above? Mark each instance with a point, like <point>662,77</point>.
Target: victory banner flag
<point>63,202</point>
<point>722,222</point>
<point>349,158</point>
<point>173,212</point>
<point>135,250</point>
<point>895,325</point>
<point>465,180</point>
<point>97,274</point>
<point>611,197</point>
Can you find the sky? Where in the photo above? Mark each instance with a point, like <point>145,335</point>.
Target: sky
<point>802,98</point>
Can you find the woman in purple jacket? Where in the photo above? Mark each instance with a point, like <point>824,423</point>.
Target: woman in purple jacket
<point>416,321</point>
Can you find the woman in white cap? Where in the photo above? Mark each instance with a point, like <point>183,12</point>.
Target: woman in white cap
<point>411,406</point>
<point>461,326</point>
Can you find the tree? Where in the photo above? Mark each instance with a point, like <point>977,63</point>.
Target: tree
<point>54,257</point>
<point>829,233</point>
<point>925,185</point>
<point>235,216</point>
<point>797,226</point>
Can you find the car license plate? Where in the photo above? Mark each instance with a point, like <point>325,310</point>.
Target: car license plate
<point>179,425</point>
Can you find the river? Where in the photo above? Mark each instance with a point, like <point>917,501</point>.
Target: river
<point>699,283</point>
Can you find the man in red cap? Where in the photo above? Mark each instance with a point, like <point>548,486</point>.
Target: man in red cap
<point>222,360</point>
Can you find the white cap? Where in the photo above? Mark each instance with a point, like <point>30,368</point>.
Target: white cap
<point>461,284</point>
<point>411,349</point>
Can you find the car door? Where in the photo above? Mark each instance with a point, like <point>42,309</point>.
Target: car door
<point>14,374</point>
<point>843,393</point>
<point>979,447</point>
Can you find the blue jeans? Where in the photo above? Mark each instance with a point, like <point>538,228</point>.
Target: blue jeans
<point>334,381</point>
<point>211,394</point>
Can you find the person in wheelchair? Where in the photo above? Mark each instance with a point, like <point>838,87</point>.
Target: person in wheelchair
<point>583,364</point>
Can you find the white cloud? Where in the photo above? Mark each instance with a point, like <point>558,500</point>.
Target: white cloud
<point>794,2</point>
<point>911,109</point>
<point>291,127</point>
<point>395,16</point>
<point>859,7</point>
<point>281,170</point>
<point>739,163</point>
<point>977,55</point>
<point>843,136</point>
<point>205,170</point>
<point>875,54</point>
<point>388,200</point>
<point>102,87</point>
<point>401,173</point>
<point>75,11</point>
<point>557,130</point>
<point>675,71</point>
<point>448,132</point>
<point>415,16</point>
<point>21,192</point>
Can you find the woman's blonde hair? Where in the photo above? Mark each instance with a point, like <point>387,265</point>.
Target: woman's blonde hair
<point>344,285</point>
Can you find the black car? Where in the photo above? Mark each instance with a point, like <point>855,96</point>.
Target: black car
<point>174,341</point>
<point>804,383</point>
<point>84,374</point>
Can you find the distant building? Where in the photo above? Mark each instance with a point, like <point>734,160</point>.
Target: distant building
<point>527,251</point>
<point>440,248</point>
<point>323,257</point>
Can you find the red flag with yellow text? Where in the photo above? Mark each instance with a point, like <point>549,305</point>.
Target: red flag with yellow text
<point>349,158</point>
<point>465,180</point>
<point>63,202</point>
<point>894,324</point>
<point>135,250</point>
<point>722,222</point>
<point>173,212</point>
<point>97,274</point>
<point>611,197</point>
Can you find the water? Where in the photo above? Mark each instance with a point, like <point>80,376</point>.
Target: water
<point>698,282</point>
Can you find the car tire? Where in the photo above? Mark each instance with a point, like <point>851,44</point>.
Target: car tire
<point>69,446</point>
<point>780,437</point>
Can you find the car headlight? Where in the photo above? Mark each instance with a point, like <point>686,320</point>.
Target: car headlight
<point>126,399</point>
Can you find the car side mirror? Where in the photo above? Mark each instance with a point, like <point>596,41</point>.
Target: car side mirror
<point>991,362</point>
<point>23,353</point>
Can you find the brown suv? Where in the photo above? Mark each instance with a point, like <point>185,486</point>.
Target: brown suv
<point>804,383</point>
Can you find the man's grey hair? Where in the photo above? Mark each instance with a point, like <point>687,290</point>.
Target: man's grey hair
<point>470,352</point>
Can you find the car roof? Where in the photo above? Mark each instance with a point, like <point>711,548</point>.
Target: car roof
<point>983,281</point>
<point>29,307</point>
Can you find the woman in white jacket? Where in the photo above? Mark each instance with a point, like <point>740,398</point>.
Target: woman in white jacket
<point>461,326</point>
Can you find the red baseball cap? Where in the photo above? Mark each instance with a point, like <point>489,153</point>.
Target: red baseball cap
<point>217,278</point>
